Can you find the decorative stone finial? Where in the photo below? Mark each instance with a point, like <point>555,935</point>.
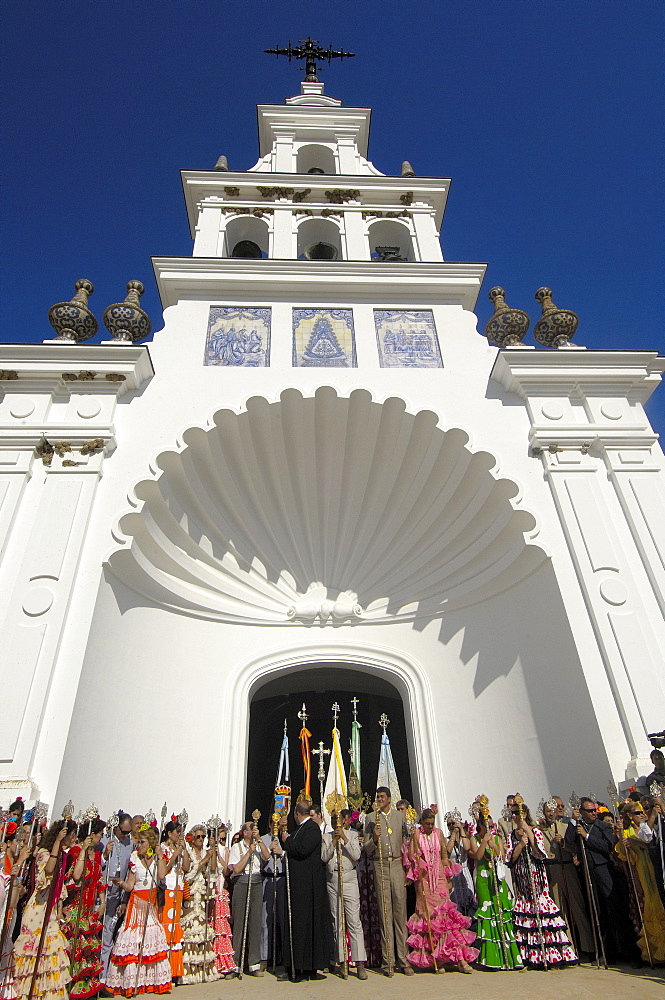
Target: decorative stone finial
<point>556,327</point>
<point>507,327</point>
<point>407,169</point>
<point>222,163</point>
<point>126,321</point>
<point>73,321</point>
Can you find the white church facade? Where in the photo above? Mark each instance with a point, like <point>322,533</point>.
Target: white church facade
<point>319,475</point>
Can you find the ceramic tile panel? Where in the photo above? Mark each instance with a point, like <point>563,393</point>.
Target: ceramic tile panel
<point>323,338</point>
<point>238,337</point>
<point>407,338</point>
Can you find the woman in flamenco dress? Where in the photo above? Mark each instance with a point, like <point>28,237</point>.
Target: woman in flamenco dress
<point>439,934</point>
<point>223,939</point>
<point>494,916</point>
<point>82,925</point>
<point>41,910</point>
<point>540,929</point>
<point>177,861</point>
<point>139,960</point>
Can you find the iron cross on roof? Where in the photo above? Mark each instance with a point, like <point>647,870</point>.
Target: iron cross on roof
<point>310,50</point>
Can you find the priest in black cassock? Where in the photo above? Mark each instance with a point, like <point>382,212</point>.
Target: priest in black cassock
<point>310,913</point>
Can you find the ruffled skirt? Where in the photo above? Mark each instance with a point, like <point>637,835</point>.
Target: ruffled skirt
<point>170,916</point>
<point>450,936</point>
<point>541,935</point>
<point>139,960</point>
<point>223,940</point>
<point>197,938</point>
<point>53,972</point>
<point>85,951</point>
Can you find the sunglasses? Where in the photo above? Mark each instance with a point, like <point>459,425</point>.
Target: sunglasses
<point>584,809</point>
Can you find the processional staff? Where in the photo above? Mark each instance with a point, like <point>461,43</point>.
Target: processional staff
<point>574,803</point>
<point>384,903</point>
<point>256,816</point>
<point>305,737</point>
<point>320,753</point>
<point>55,884</point>
<point>658,790</point>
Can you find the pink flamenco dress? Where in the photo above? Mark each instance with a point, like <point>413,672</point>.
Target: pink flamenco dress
<point>445,936</point>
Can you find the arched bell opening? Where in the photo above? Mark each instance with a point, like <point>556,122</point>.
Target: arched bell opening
<point>319,239</point>
<point>315,159</point>
<point>390,240</point>
<point>247,237</point>
<point>319,686</point>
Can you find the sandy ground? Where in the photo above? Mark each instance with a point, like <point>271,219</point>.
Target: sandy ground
<point>577,983</point>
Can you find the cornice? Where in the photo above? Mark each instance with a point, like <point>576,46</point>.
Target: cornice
<point>317,281</point>
<point>43,366</point>
<point>634,374</point>
<point>308,121</point>
<point>200,184</point>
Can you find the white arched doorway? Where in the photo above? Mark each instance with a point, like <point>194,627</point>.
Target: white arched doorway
<point>384,664</point>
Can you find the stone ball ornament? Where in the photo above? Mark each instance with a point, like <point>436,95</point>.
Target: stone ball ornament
<point>126,321</point>
<point>556,327</point>
<point>507,327</point>
<point>73,321</point>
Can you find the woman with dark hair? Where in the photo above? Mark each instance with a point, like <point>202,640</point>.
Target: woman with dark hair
<point>540,929</point>
<point>178,863</point>
<point>41,910</point>
<point>439,933</point>
<point>494,916</point>
<point>139,960</point>
<point>82,924</point>
<point>635,835</point>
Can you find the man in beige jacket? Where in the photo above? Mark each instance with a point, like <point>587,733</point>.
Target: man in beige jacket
<point>385,832</point>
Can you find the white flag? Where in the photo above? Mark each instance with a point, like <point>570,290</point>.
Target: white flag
<point>387,775</point>
<point>336,781</point>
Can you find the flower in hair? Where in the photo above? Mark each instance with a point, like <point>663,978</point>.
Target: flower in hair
<point>174,818</point>
<point>434,808</point>
<point>153,824</point>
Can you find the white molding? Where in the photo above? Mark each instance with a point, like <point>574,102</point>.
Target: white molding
<point>399,669</point>
<point>347,282</point>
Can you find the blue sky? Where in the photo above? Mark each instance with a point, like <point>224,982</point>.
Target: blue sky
<point>547,114</point>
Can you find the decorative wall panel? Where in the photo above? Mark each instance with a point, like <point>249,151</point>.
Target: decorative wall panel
<point>238,337</point>
<point>407,338</point>
<point>323,338</point>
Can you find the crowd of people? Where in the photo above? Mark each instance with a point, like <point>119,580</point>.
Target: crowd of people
<point>89,910</point>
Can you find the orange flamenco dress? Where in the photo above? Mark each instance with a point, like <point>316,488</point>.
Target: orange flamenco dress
<point>139,960</point>
<point>171,913</point>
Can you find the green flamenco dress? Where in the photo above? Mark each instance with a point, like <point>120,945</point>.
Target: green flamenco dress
<point>494,916</point>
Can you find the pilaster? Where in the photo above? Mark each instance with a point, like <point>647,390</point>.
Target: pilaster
<point>606,473</point>
<point>56,426</point>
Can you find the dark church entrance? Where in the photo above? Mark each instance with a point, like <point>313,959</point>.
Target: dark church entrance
<point>319,686</point>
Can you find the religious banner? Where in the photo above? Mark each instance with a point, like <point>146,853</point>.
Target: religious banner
<point>387,776</point>
<point>305,753</point>
<point>283,779</point>
<point>238,337</point>
<point>323,338</point>
<point>336,791</point>
<point>407,338</point>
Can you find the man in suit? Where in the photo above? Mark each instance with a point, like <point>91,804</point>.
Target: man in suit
<point>594,839</point>
<point>310,914</point>
<point>385,832</point>
<point>349,842</point>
